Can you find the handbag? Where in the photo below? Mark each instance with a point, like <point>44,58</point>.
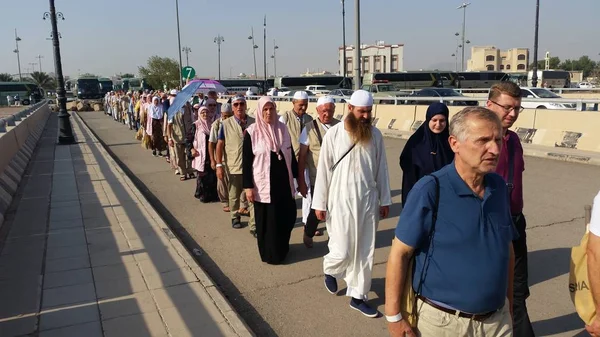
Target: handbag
<point>579,283</point>
<point>408,301</point>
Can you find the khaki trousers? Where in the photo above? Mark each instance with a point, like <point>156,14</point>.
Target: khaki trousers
<point>183,164</point>
<point>223,192</point>
<point>433,322</point>
<point>235,191</point>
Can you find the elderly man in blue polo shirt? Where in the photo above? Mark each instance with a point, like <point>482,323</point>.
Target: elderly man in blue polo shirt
<point>461,270</point>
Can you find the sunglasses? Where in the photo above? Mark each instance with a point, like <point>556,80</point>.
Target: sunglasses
<point>238,104</point>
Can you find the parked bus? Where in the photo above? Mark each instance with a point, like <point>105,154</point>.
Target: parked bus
<point>106,85</point>
<point>23,89</point>
<point>87,88</point>
<point>301,82</point>
<point>551,78</point>
<point>478,79</point>
<point>518,78</point>
<point>233,85</point>
<point>408,80</point>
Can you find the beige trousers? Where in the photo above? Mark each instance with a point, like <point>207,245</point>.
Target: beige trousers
<point>236,191</point>
<point>433,322</point>
<point>183,164</point>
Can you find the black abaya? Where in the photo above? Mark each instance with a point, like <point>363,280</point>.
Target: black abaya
<point>274,220</point>
<point>206,182</point>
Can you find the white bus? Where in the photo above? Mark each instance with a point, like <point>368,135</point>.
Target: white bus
<point>551,78</point>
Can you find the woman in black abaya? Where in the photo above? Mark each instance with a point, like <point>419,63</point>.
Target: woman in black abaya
<point>427,150</point>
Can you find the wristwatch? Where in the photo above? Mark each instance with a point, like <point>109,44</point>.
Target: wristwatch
<point>394,319</point>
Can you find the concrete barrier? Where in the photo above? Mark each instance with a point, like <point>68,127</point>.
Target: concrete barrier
<point>17,143</point>
<point>565,129</point>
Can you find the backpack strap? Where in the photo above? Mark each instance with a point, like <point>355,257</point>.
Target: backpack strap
<point>318,131</point>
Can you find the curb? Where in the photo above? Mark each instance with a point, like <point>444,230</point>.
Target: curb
<point>566,155</point>
<point>233,318</point>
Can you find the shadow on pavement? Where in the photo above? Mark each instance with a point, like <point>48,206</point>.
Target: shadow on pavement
<point>561,324</point>
<point>547,264</point>
<point>243,307</point>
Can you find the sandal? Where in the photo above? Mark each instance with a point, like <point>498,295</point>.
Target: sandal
<point>226,209</point>
<point>243,211</point>
<point>183,178</point>
<point>192,176</point>
<point>318,233</point>
<point>236,224</point>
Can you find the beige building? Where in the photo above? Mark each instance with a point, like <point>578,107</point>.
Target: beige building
<point>378,58</point>
<point>491,58</point>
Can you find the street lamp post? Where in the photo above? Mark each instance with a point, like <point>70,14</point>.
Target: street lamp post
<point>254,47</point>
<point>218,40</point>
<point>265,53</point>
<point>65,132</point>
<point>16,51</point>
<point>534,75</point>
<point>179,43</point>
<point>345,63</point>
<point>274,57</point>
<point>357,51</point>
<point>187,51</point>
<point>464,26</point>
<point>40,57</point>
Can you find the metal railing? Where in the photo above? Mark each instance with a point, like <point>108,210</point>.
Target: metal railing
<point>18,116</point>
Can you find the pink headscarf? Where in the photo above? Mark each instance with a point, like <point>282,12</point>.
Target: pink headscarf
<point>202,130</point>
<point>268,133</point>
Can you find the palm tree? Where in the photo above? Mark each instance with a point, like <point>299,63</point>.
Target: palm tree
<point>5,77</point>
<point>42,80</point>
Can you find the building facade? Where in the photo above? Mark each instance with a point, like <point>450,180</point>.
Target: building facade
<point>490,58</point>
<point>377,58</point>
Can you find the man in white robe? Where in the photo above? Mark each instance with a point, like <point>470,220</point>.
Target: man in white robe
<point>352,193</point>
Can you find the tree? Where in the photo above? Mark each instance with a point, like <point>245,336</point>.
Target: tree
<point>160,71</point>
<point>127,75</point>
<point>554,63</point>
<point>43,80</point>
<point>5,77</point>
<point>584,64</point>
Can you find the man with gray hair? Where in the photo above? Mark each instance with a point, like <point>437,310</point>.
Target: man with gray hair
<point>457,224</point>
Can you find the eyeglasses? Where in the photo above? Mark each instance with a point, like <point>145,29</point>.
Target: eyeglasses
<point>517,109</point>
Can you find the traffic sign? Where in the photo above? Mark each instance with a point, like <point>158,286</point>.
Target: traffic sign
<point>188,73</point>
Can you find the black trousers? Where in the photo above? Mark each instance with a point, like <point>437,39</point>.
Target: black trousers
<point>521,323</point>
<point>312,223</point>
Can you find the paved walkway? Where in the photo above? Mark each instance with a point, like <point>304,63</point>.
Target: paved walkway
<point>290,299</point>
<point>84,254</point>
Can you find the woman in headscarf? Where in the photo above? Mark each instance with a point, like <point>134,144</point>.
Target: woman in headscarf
<point>428,149</point>
<point>269,168</point>
<point>154,127</point>
<point>206,182</point>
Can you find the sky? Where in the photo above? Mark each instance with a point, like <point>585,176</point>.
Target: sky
<point>107,37</point>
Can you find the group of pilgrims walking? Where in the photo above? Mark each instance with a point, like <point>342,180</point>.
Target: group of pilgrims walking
<point>256,163</point>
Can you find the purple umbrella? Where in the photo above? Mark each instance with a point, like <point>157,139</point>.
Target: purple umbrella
<point>209,85</point>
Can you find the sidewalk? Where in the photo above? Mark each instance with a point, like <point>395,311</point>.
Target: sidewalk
<point>82,253</point>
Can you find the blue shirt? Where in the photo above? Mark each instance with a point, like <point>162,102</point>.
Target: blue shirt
<point>467,268</point>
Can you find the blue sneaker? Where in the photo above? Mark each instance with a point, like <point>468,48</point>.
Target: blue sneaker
<point>363,307</point>
<point>331,284</point>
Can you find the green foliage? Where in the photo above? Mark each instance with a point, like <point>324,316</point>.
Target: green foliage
<point>43,80</point>
<point>584,64</point>
<point>554,63</point>
<point>160,71</point>
<point>5,77</point>
<point>127,75</point>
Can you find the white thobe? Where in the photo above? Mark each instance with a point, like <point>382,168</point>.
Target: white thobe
<point>352,196</point>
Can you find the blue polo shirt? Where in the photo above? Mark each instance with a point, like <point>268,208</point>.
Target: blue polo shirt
<point>467,268</point>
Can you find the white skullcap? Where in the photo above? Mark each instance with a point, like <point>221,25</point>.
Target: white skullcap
<point>361,98</point>
<point>301,95</point>
<point>325,100</point>
<point>173,92</point>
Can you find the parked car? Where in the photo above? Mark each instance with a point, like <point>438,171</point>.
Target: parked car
<point>586,85</point>
<point>311,96</point>
<point>544,99</point>
<point>341,95</point>
<point>441,93</point>
<point>317,89</point>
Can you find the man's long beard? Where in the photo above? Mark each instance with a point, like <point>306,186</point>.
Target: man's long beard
<point>359,128</point>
